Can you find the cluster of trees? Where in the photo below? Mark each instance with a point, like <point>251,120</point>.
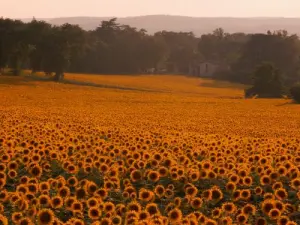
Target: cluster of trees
<point>113,48</point>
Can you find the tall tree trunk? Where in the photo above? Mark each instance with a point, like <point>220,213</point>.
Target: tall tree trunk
<point>59,76</point>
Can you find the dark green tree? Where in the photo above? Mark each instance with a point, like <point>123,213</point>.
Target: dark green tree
<point>295,92</point>
<point>266,82</point>
<point>61,44</point>
<point>278,47</point>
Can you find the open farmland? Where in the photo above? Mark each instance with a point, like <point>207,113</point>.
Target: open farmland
<point>146,150</point>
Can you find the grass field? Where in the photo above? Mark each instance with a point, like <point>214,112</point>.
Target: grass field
<point>145,149</point>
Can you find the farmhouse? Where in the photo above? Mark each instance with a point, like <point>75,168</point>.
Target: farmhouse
<point>203,69</point>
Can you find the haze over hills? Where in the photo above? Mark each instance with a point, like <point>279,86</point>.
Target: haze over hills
<point>198,25</point>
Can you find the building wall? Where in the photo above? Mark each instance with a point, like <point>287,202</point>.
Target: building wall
<point>205,69</point>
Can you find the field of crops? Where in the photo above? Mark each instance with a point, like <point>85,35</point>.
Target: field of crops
<point>146,150</point>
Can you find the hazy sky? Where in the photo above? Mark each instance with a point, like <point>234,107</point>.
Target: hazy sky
<point>199,8</point>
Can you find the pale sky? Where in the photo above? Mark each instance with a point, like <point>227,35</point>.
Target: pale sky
<point>121,8</point>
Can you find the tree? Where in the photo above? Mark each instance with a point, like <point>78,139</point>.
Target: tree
<point>222,47</point>
<point>278,47</point>
<point>267,82</point>
<point>38,32</point>
<point>180,49</point>
<point>9,39</point>
<point>295,92</point>
<point>60,44</point>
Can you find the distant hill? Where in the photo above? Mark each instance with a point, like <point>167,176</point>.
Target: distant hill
<point>198,25</point>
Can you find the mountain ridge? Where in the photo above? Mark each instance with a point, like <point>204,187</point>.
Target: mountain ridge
<point>197,25</point>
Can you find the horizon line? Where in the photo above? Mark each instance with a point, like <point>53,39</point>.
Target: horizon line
<point>170,15</point>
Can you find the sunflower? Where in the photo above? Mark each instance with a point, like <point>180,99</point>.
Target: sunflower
<point>153,176</point>
<point>216,213</point>
<point>105,221</point>
<point>242,218</point>
<point>80,193</point>
<point>216,194</point>
<point>245,194</point>
<point>229,207</point>
<point>163,171</point>
<point>191,190</point>
<point>175,216</point>
<point>295,183</point>
<point>210,222</point>
<point>261,221</point>
<point>145,195</point>
<point>72,181</point>
<point>44,186</point>
<point>125,195</point>
<point>64,192</point>
<point>247,181</point>
<point>36,171</point>
<point>249,209</point>
<point>109,207</point>
<point>258,191</point>
<point>226,220</point>
<point>91,188</point>
<point>169,194</point>
<point>32,211</point>
<point>207,195</point>
<point>57,202</point>
<point>12,174</point>
<point>283,220</point>
<point>4,196</point>
<point>177,202</point>
<point>77,207</point>
<point>134,206</point>
<point>196,203</point>
<point>267,206</point>
<point>281,194</point>
<point>32,188</point>
<point>24,180</point>
<point>116,220</point>
<point>144,215</point>
<point>136,175</point>
<point>152,209</point>
<point>159,190</point>
<point>69,201</point>
<point>269,196</point>
<point>131,214</point>
<point>44,200</point>
<point>102,193</point>
<point>92,202</point>
<point>265,180</point>
<point>2,167</point>
<point>282,171</point>
<point>230,186</point>
<point>211,174</point>
<point>25,221</point>
<point>94,213</point>
<point>78,222</point>
<point>16,217</point>
<point>277,185</point>
<point>274,214</point>
<point>291,223</point>
<point>234,178</point>
<point>45,217</point>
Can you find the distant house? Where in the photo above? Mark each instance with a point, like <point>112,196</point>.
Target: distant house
<point>203,69</point>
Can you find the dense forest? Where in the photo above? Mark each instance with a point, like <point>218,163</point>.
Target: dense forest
<point>113,48</point>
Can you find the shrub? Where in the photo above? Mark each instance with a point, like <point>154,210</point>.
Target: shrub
<point>295,92</point>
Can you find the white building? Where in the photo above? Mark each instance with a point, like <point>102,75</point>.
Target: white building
<point>203,69</point>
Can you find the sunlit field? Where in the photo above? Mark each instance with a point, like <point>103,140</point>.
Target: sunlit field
<point>148,149</point>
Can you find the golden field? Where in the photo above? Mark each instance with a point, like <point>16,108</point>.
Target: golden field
<point>145,150</point>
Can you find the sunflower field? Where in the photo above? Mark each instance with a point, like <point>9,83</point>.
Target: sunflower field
<point>146,150</point>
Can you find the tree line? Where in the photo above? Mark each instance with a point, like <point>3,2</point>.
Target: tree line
<point>113,48</point>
